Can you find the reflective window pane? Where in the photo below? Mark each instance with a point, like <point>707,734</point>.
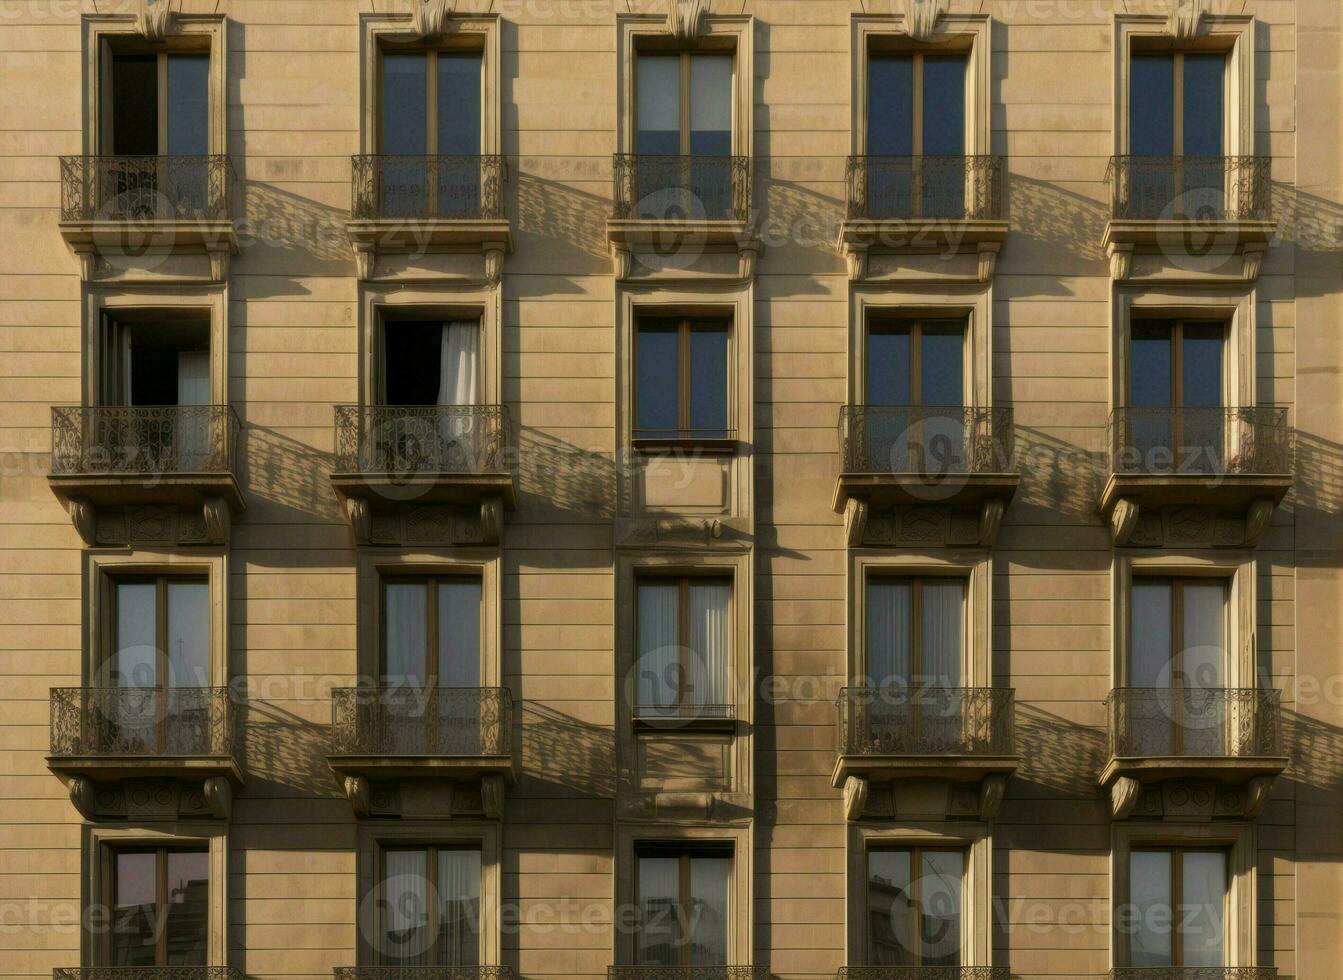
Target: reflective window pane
<point>659,942</point>
<point>940,895</point>
<point>188,104</point>
<point>944,106</point>
<point>890,105</point>
<point>888,367</point>
<point>657,379</point>
<point>658,114</point>
<point>710,105</point>
<point>459,104</point>
<point>1201,365</point>
<point>134,936</point>
<point>188,634</point>
<point>1202,913</point>
<point>1204,84</point>
<point>1150,898</point>
<point>1150,382</point>
<point>459,633</point>
<point>405,104</point>
<point>405,937</point>
<point>708,380</point>
<point>458,908</point>
<point>136,659</point>
<point>1150,632</point>
<point>942,370</point>
<point>187,922</point>
<point>892,938</point>
<point>405,636</point>
<point>1152,105</point>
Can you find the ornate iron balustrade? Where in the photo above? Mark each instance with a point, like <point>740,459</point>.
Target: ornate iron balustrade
<point>926,187</point>
<point>923,973</point>
<point>414,440</point>
<point>1194,973</point>
<point>1241,723</point>
<point>142,721</point>
<point>926,440</point>
<point>449,187</point>
<point>146,188</point>
<point>687,973</point>
<point>964,721</point>
<point>421,721</point>
<point>682,188</point>
<point>143,439</point>
<point>1146,188</point>
<point>423,973</point>
<point>147,973</point>
<point>1201,441</point>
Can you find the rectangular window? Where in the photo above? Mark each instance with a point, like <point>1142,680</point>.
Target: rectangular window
<point>914,898</point>
<point>1176,119</point>
<point>915,395</point>
<point>158,361</point>
<point>681,379</point>
<point>1175,393</point>
<point>1178,915</point>
<point>160,907</point>
<point>915,631</point>
<point>682,897</point>
<point>431,632</point>
<point>684,628</point>
<point>160,104</point>
<point>161,633</point>
<point>431,363</point>
<point>430,906</point>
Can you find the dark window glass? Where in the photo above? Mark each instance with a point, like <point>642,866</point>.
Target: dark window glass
<point>1201,366</point>
<point>405,104</point>
<point>942,373</point>
<point>658,83</point>
<point>658,378</point>
<point>187,920</point>
<point>1152,105</point>
<point>944,106</point>
<point>1203,87</point>
<point>1150,381</point>
<point>135,105</point>
<point>683,907</point>
<point>160,908</point>
<point>890,105</point>
<point>188,105</point>
<point>459,104</point>
<point>134,903</point>
<point>888,367</point>
<point>681,379</point>
<point>708,379</point>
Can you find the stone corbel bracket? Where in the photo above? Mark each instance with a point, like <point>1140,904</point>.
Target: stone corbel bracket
<point>1123,519</point>
<point>153,19</point>
<point>921,16</point>
<point>1251,263</point>
<point>1185,20</point>
<point>686,18</point>
<point>360,794</point>
<point>430,18</point>
<point>1124,794</point>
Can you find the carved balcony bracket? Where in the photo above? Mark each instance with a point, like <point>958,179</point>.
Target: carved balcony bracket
<point>1124,795</point>
<point>153,18</point>
<point>1257,792</point>
<point>1257,518</point>
<point>494,262</point>
<point>921,16</point>
<point>988,259</point>
<point>856,258</point>
<point>360,795</point>
<point>1121,261</point>
<point>622,260</point>
<point>365,258</point>
<point>855,797</point>
<point>748,257</point>
<point>990,520</point>
<point>219,263</point>
<point>82,796</point>
<point>218,793</point>
<point>1123,520</point>
<point>491,519</point>
<point>492,796</point>
<point>1185,20</point>
<point>991,792</point>
<point>855,521</point>
<point>84,516</point>
<point>430,18</point>
<point>361,519</point>
<point>218,520</point>
<point>685,18</point>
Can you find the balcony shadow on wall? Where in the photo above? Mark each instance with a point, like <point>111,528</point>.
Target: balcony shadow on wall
<point>1058,478</point>
<point>289,238</point>
<point>284,755</point>
<point>294,480</point>
<point>563,757</point>
<point>547,209</point>
<point>1060,759</point>
<point>1064,230</point>
<point>558,480</point>
<point>1316,751</point>
<point>1317,499</point>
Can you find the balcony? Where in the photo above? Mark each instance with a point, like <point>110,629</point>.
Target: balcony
<point>140,203</point>
<point>147,973</point>
<point>906,455</point>
<point>687,973</point>
<point>1194,973</point>
<point>956,734</point>
<point>424,973</point>
<point>453,733</point>
<point>414,203</point>
<point>170,454</point>
<point>1228,736</point>
<point>1231,459</point>
<point>105,735</point>
<point>1196,202</point>
<point>923,973</point>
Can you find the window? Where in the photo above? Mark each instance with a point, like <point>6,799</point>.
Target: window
<point>684,633</point>
<point>683,906</point>
<point>156,361</point>
<point>681,379</point>
<point>430,906</point>
<point>915,631</point>
<point>431,632</point>
<point>160,907</point>
<point>916,118</point>
<point>1175,395</point>
<point>431,363</point>
<point>1177,117</point>
<point>429,131</point>
<point>159,104</point>
<point>915,395</point>
<point>1178,899</point>
<point>913,904</point>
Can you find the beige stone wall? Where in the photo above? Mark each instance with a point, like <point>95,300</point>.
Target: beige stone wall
<point>293,301</point>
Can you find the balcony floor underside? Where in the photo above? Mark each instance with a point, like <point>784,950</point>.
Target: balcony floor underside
<point>1231,491</point>
<point>111,489</point>
<point>428,488</point>
<point>915,488</point>
<point>1222,769</point>
<point>423,766</point>
<point>111,769</point>
<point>958,768</point>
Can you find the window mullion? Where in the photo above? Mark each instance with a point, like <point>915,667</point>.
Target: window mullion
<point>916,113</point>
<point>162,96</point>
<point>684,395</point>
<point>685,103</point>
<point>161,907</point>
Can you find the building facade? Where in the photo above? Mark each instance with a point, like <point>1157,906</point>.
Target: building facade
<point>671,489</point>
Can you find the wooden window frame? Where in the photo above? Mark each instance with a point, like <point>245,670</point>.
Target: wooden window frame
<point>917,86</point>
<point>161,852</point>
<point>431,582</point>
<point>915,851</point>
<point>684,107</point>
<point>1177,852</point>
<point>684,852</point>
<point>1177,93</point>
<point>160,580</point>
<point>114,45</point>
<point>431,53</point>
<point>1178,325</point>
<point>683,581</point>
<point>431,850</point>
<point>684,435</point>
<point>915,625</point>
<point>914,326</point>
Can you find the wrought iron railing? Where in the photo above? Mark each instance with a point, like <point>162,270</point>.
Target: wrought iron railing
<point>146,188</point>
<point>1193,188</point>
<point>146,973</point>
<point>1194,973</point>
<point>925,440</point>
<point>965,721</point>
<point>424,973</point>
<point>1199,722</point>
<point>926,187</point>
<point>421,721</point>
<point>682,188</point>
<point>142,721</point>
<point>428,187</point>
<point>413,439</point>
<point>923,973</point>
<point>135,439</point>
<point>687,973</point>
<point>1201,441</point>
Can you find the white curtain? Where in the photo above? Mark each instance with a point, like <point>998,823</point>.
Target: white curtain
<point>458,372</point>
<point>658,911</point>
<point>658,661</point>
<point>405,931</point>
<point>1204,654</point>
<point>459,908</point>
<point>709,613</point>
<point>193,388</point>
<point>943,631</point>
<point>888,631</point>
<point>406,639</point>
<point>708,910</point>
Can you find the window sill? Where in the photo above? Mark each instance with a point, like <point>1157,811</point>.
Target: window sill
<point>672,446</point>
<point>715,718</point>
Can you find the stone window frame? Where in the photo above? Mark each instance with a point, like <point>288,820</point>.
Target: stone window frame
<point>100,841</point>
<point>1242,893</point>
<point>375,566</point>
<point>630,838</point>
<point>185,32</point>
<point>373,839</point>
<point>976,839</point>
<point>378,301</point>
<point>1237,569</point>
<point>636,32</point>
<point>103,568</point>
<point>973,566</point>
<point>1234,304</point>
<point>209,300</point>
<point>1232,34</point>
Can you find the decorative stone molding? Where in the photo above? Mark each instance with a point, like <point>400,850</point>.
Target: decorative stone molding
<point>494,262</point>
<point>218,520</point>
<point>1256,520</point>
<point>219,263</point>
<point>218,794</point>
<point>429,18</point>
<point>82,796</point>
<point>622,260</point>
<point>1121,261</point>
<point>990,520</point>
<point>685,18</point>
<point>988,259</point>
<point>1123,520</point>
<point>1186,18</point>
<point>673,532</point>
<point>1124,796</point>
<point>855,521</point>
<point>855,797</point>
<point>153,19</point>
<point>361,519</point>
<point>855,256</point>
<point>491,519</point>
<point>991,792</point>
<point>492,796</point>
<point>1257,792</point>
<point>84,516</point>
<point>920,17</point>
<point>358,792</point>
<point>748,256</point>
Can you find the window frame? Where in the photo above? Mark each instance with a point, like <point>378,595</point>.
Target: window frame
<point>161,852</point>
<point>431,847</point>
<point>684,436</point>
<point>878,323</point>
<point>1178,325</point>
<point>916,583</point>
<point>1177,584</point>
<point>435,315</point>
<point>1177,93</point>
<point>919,55</point>
<point>683,580</point>
<point>162,53</point>
<point>916,850</point>
<point>431,580</point>
<point>684,852</point>
<point>160,581</point>
<point>472,44</point>
<point>1177,853</point>
<point>684,58</point>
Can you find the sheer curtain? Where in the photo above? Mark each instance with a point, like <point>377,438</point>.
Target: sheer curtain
<point>458,372</point>
<point>193,428</point>
<point>710,611</point>
<point>657,662</point>
<point>888,615</point>
<point>189,731</point>
<point>459,908</point>
<point>460,717</point>
<point>404,632</point>
<point>405,923</point>
<point>707,914</point>
<point>943,634</point>
<point>658,931</point>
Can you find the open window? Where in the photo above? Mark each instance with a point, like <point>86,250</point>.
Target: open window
<point>684,646</point>
<point>430,362</point>
<point>429,914</point>
<point>682,387</point>
<point>682,900</point>
<point>158,102</point>
<point>160,905</point>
